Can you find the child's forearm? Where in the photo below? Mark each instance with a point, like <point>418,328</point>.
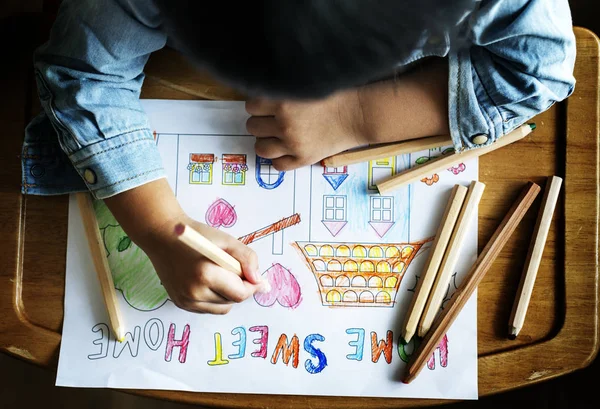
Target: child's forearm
<point>411,106</point>
<point>146,213</point>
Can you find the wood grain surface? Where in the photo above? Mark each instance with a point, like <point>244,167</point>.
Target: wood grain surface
<point>560,334</point>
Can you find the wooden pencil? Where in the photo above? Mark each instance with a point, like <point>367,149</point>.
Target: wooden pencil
<point>430,270</point>
<point>373,152</point>
<point>448,264</point>
<point>534,256</point>
<point>98,251</point>
<point>196,241</point>
<point>472,280</point>
<point>446,161</point>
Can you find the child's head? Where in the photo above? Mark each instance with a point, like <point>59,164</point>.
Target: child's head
<point>305,48</point>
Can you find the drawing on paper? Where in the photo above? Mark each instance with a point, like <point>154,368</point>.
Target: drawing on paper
<point>380,169</point>
<point>451,288</point>
<point>220,213</point>
<point>271,229</point>
<point>267,176</point>
<point>381,214</point>
<point>457,169</point>
<point>133,273</point>
<point>335,176</point>
<point>201,168</point>
<point>285,289</point>
<point>234,169</point>
<point>355,274</point>
<point>461,167</point>
<point>334,213</point>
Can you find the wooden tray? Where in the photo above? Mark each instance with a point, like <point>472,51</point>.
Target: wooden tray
<point>561,331</point>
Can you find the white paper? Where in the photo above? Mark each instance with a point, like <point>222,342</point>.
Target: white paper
<point>336,209</point>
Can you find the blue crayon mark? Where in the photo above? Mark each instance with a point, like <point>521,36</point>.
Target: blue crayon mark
<point>359,343</point>
<point>264,168</point>
<point>316,353</point>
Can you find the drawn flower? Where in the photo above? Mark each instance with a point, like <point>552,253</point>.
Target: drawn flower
<point>430,181</point>
<point>457,169</point>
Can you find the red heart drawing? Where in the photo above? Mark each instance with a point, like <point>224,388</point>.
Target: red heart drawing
<point>284,288</point>
<point>221,213</point>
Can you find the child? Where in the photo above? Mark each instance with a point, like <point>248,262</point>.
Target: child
<point>322,75</point>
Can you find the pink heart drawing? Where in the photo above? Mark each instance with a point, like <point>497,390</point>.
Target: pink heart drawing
<point>221,213</point>
<point>284,288</point>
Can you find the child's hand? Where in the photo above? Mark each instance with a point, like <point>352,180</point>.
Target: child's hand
<point>299,133</point>
<point>197,284</point>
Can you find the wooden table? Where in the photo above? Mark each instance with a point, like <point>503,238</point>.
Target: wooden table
<point>561,330</point>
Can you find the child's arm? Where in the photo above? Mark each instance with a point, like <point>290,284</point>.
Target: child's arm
<point>519,62</point>
<point>298,133</point>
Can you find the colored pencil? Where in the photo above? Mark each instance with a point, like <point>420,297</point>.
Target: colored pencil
<point>448,265</point>
<point>534,256</point>
<point>98,252</point>
<point>446,161</point>
<point>430,271</point>
<point>379,151</point>
<point>477,272</point>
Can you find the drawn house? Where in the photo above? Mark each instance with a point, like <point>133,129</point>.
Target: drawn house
<point>201,168</point>
<point>234,169</point>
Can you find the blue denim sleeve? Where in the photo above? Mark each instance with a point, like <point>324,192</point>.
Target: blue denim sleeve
<point>89,76</point>
<point>519,64</point>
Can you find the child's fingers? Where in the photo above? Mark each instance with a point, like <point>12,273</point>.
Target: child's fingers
<point>225,283</point>
<point>261,107</point>
<point>207,308</point>
<point>286,163</point>
<point>247,258</point>
<point>269,148</point>
<point>263,126</point>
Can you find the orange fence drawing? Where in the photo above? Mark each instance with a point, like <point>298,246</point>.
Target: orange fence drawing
<point>358,275</point>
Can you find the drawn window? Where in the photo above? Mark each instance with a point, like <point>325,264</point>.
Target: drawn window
<point>359,251</point>
<point>319,265</point>
<point>359,281</point>
<point>376,252</point>
<point>350,296</point>
<point>383,297</point>
<point>326,281</point>
<point>375,282</point>
<point>335,171</point>
<point>350,265</point>
<point>367,266</point>
<point>407,252</point>
<point>398,267</point>
<point>334,296</point>
<point>234,169</point>
<point>382,208</point>
<point>334,208</point>
<point>392,251</point>
<point>366,296</point>
<point>383,267</point>
<point>343,251</point>
<point>380,170</point>
<point>391,282</point>
<point>267,176</point>
<point>326,251</point>
<point>342,281</point>
<point>334,265</point>
<point>310,249</point>
<point>201,168</point>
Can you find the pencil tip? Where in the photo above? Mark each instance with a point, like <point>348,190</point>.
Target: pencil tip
<point>532,126</point>
<point>179,228</point>
<point>512,337</point>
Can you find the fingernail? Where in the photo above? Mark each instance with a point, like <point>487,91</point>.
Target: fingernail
<point>265,287</point>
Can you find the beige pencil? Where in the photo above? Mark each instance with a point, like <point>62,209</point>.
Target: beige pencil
<point>385,150</point>
<point>446,161</point>
<point>446,270</point>
<point>196,241</point>
<point>98,251</point>
<point>534,256</point>
<point>472,279</point>
<point>438,249</point>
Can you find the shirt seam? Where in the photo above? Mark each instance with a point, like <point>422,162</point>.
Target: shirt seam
<point>129,178</point>
<point>116,146</point>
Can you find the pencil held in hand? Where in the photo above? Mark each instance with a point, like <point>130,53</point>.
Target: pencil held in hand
<point>211,251</point>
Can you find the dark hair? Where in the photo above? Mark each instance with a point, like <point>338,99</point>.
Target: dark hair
<point>304,48</point>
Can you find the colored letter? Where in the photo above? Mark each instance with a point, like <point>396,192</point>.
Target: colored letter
<point>264,330</point>
<point>359,343</point>
<point>160,333</point>
<point>382,346</point>
<point>102,341</point>
<point>443,350</point>
<point>218,352</point>
<point>182,343</point>
<point>314,352</point>
<point>240,343</point>
<point>402,347</point>
<point>128,342</point>
<point>287,350</point>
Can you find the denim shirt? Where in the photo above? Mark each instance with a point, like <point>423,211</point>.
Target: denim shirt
<point>93,134</point>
